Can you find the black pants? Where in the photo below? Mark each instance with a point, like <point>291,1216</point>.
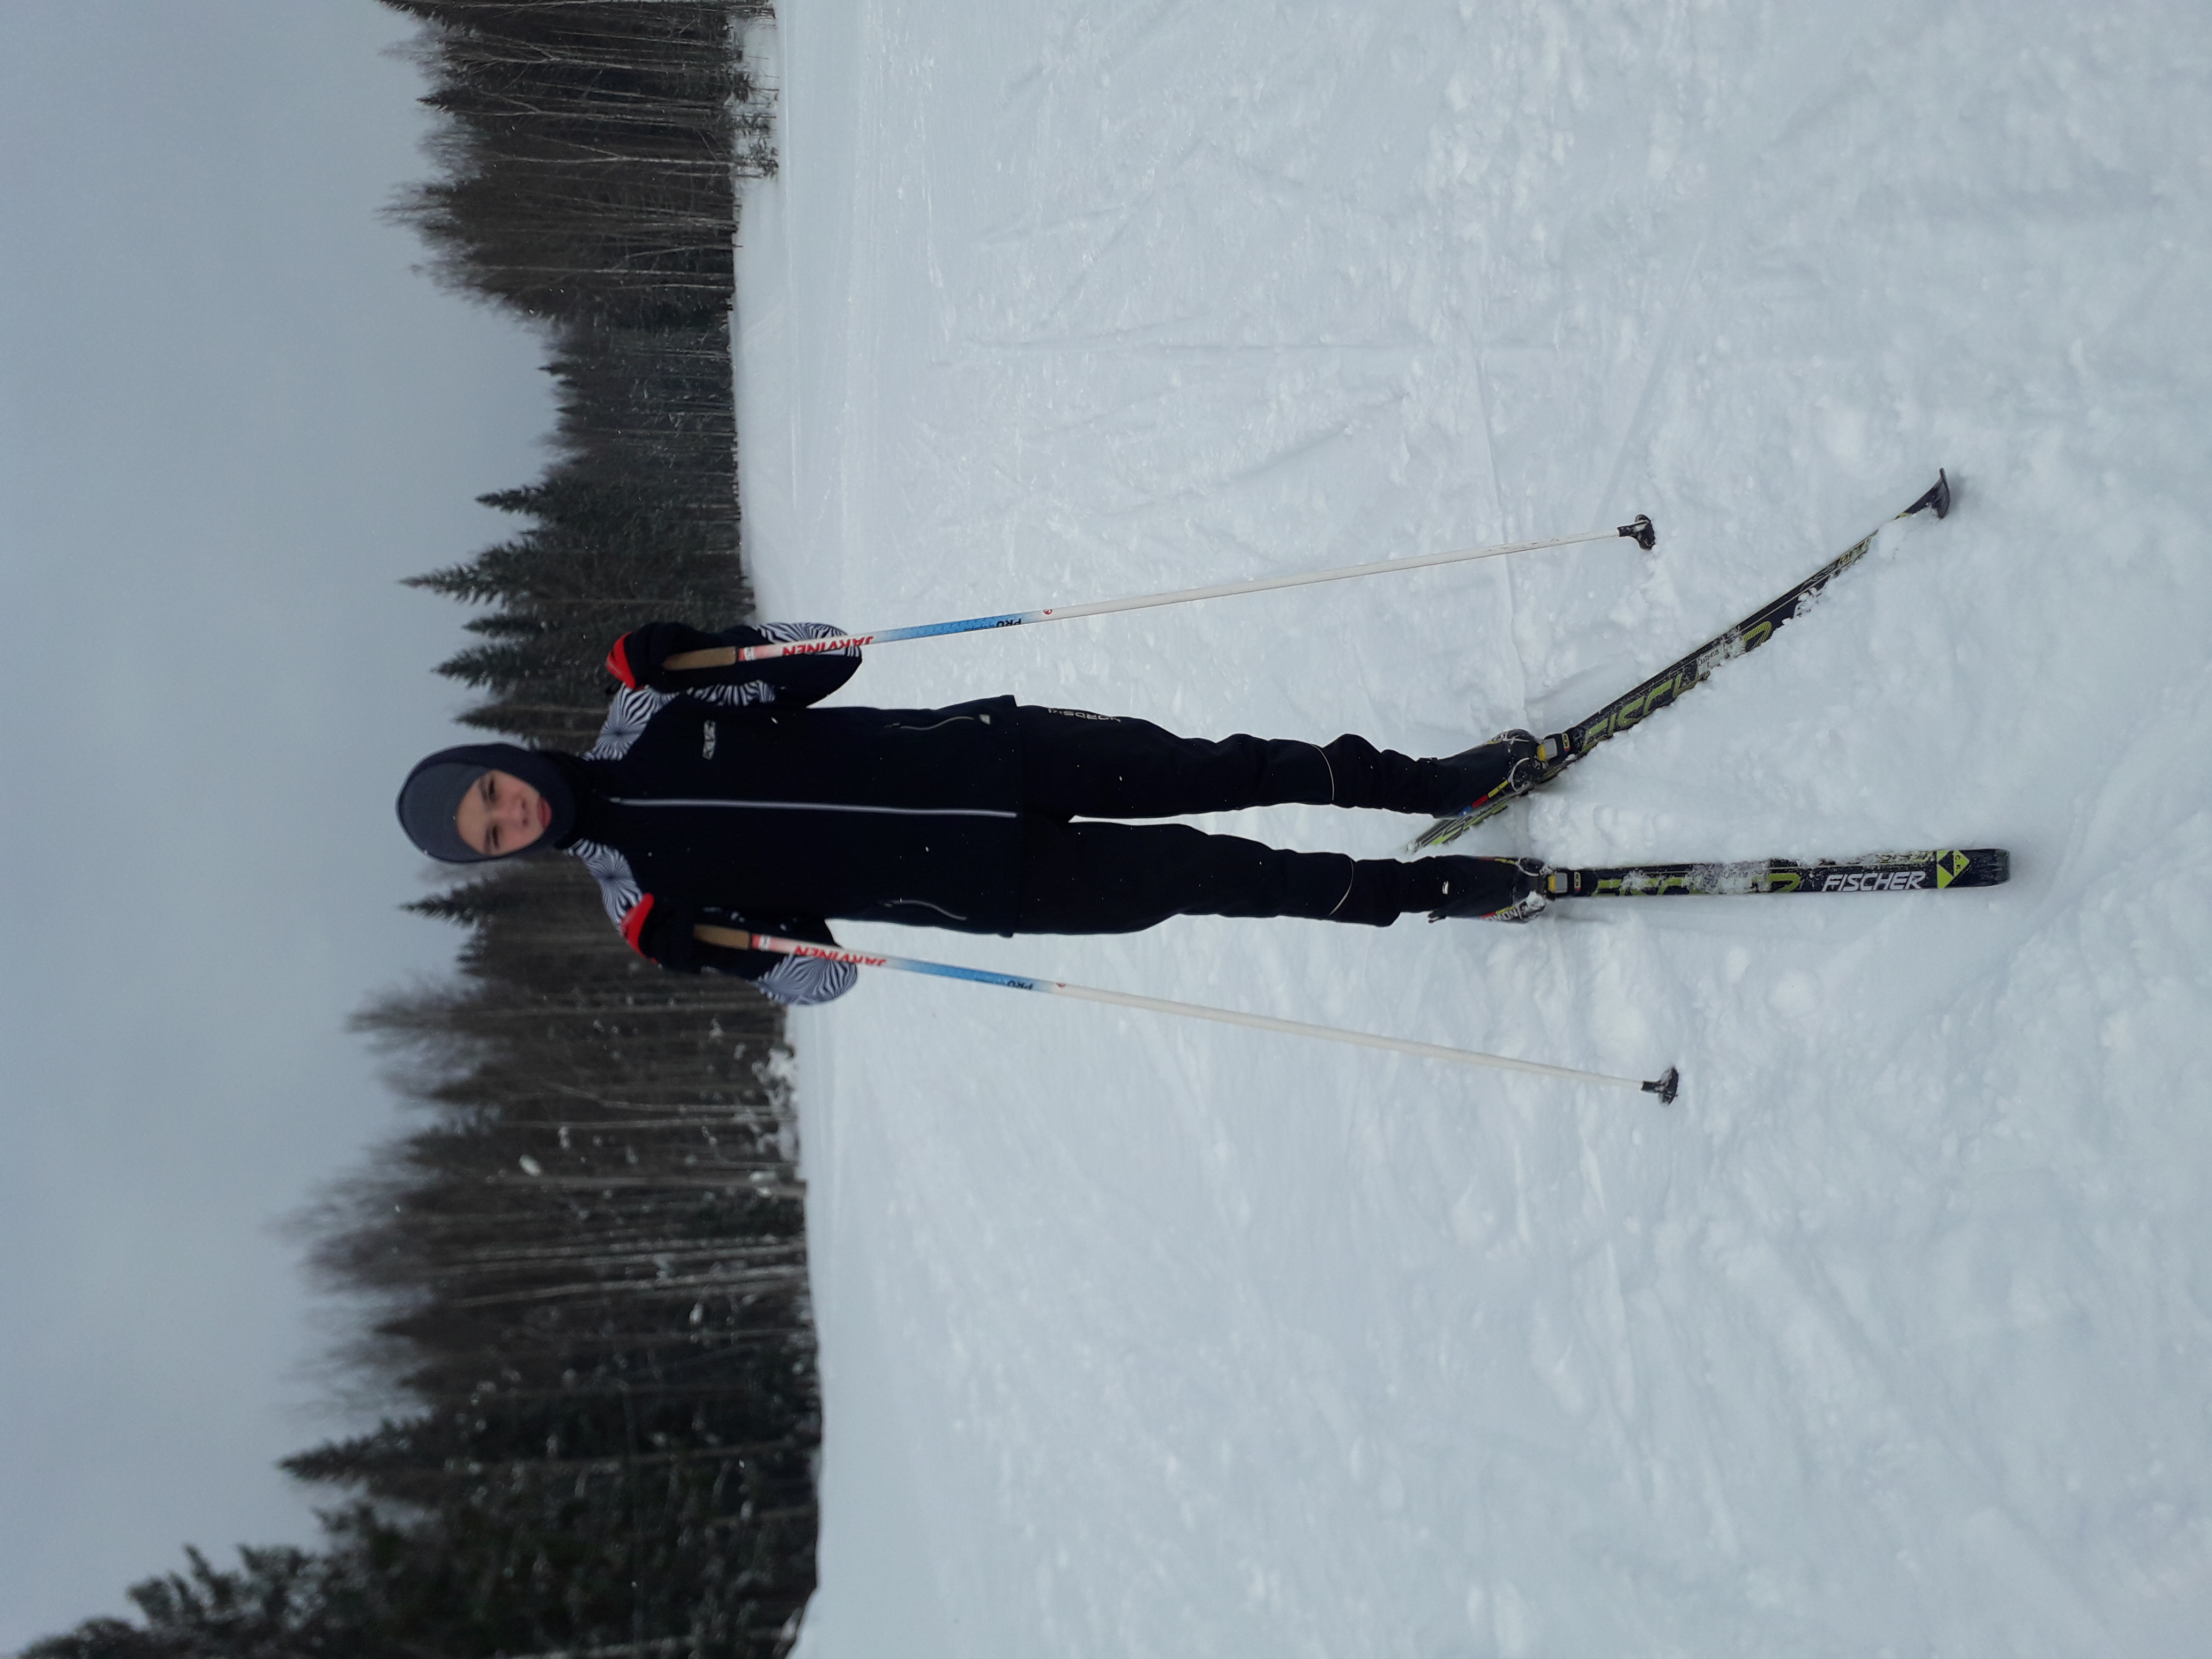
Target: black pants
<point>1093,878</point>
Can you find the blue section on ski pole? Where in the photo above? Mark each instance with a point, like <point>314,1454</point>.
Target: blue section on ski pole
<point>970,625</point>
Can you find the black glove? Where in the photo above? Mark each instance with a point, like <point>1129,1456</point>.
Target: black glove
<point>637,657</point>
<point>660,931</point>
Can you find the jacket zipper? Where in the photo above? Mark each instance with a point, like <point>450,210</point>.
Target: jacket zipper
<point>825,806</point>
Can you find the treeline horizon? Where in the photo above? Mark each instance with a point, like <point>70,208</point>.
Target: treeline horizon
<point>584,1272</point>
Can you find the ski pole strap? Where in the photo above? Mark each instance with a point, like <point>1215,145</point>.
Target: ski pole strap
<point>738,939</point>
<point>1638,530</point>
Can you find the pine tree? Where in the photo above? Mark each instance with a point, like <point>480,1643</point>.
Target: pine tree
<point>584,1270</point>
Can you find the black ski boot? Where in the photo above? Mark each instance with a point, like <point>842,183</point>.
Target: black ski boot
<point>1482,773</point>
<point>1494,889</point>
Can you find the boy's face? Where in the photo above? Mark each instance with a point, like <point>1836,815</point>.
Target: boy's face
<point>501,814</point>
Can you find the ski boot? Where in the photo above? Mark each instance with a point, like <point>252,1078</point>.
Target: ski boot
<point>1509,764</point>
<point>1492,889</point>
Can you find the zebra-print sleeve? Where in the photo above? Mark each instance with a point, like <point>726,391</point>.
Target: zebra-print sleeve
<point>793,980</point>
<point>736,696</point>
<point>618,888</point>
<point>628,716</point>
<point>798,981</point>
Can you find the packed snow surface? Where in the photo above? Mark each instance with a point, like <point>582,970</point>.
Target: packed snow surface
<point>1145,1337</point>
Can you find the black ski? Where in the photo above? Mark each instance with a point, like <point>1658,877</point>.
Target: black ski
<point>1873,873</point>
<point>1561,750</point>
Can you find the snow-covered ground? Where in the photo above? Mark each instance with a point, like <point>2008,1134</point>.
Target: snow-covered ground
<point>1894,1336</point>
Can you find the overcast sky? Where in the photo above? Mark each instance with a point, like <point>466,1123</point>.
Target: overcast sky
<point>232,416</point>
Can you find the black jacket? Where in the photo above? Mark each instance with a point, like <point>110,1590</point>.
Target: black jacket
<point>720,795</point>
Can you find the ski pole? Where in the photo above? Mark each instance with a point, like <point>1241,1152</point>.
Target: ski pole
<point>1664,1085</point>
<point>1638,530</point>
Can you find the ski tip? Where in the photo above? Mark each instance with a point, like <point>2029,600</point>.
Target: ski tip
<point>1938,496</point>
<point>1666,1085</point>
<point>1639,531</point>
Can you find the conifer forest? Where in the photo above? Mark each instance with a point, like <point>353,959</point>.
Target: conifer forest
<point>586,1266</point>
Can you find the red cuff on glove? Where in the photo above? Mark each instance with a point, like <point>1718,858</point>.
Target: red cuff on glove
<point>619,665</point>
<point>633,927</point>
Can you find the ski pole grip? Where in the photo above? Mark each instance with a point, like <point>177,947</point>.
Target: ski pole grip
<point>735,938</point>
<point>1639,531</point>
<point>719,656</point>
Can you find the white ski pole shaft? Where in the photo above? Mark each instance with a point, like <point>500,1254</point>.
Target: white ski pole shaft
<point>738,939</point>
<point>1638,531</point>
